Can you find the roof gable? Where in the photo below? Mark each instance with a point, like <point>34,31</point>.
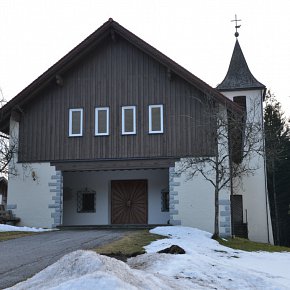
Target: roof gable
<point>108,29</point>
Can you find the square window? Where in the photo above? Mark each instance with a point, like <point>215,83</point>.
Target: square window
<point>86,201</point>
<point>155,119</point>
<point>102,121</point>
<point>128,120</point>
<point>75,122</point>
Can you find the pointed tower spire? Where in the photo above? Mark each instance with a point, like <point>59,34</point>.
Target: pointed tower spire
<point>239,76</point>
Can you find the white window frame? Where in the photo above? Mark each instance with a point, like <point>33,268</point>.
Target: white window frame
<point>97,109</point>
<point>150,119</point>
<point>123,120</point>
<point>70,122</point>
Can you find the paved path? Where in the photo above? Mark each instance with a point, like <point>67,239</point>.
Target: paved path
<point>22,258</point>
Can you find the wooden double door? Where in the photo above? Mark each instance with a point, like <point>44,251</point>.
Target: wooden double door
<point>129,202</point>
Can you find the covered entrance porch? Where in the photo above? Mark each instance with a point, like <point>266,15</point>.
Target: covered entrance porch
<point>116,197</point>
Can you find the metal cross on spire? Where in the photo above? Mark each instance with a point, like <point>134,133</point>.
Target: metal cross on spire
<point>237,26</point>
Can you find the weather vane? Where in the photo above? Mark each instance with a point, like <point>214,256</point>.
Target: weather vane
<point>237,26</point>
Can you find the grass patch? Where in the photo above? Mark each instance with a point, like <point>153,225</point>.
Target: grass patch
<point>4,236</point>
<point>130,245</point>
<point>246,245</point>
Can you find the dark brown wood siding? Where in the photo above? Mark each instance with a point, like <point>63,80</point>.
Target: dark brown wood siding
<point>115,74</point>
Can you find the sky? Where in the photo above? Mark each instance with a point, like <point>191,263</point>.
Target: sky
<point>197,34</point>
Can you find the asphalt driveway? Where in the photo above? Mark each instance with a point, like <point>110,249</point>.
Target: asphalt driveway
<point>22,258</point>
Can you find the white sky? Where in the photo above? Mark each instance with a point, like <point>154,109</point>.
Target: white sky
<point>197,34</point>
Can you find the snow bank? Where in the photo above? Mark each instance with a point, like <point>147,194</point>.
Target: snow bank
<point>206,265</point>
<point>7,228</point>
<point>87,270</point>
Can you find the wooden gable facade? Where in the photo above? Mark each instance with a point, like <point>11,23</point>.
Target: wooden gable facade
<point>112,68</point>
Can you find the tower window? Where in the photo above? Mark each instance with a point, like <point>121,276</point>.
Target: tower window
<point>241,101</point>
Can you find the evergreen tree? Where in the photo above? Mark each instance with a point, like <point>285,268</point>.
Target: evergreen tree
<point>277,139</point>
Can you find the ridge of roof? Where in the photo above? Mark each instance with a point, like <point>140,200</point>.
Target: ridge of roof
<point>239,76</point>
<point>91,41</point>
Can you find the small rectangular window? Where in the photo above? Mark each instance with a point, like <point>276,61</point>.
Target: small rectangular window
<point>128,120</point>
<point>75,122</point>
<point>155,119</point>
<point>102,121</point>
<point>165,200</point>
<point>86,201</point>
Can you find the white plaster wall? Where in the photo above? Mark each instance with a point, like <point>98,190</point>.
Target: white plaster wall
<point>99,181</point>
<point>196,202</point>
<point>31,197</point>
<point>254,187</point>
<point>196,207</point>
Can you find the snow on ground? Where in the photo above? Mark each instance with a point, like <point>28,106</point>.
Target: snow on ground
<point>7,228</point>
<point>210,265</point>
<point>206,265</point>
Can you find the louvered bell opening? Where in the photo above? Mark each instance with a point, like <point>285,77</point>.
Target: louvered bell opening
<point>102,122</point>
<point>156,119</point>
<point>76,122</point>
<point>129,120</point>
<point>241,101</point>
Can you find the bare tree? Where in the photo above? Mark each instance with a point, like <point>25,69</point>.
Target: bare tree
<point>237,137</point>
<point>8,147</point>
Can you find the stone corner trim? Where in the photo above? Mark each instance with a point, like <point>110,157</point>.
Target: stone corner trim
<point>173,197</point>
<point>55,187</point>
<point>225,217</point>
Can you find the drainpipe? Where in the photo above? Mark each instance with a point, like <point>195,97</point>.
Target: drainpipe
<point>275,204</point>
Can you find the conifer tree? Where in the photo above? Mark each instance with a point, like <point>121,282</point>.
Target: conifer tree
<point>277,137</point>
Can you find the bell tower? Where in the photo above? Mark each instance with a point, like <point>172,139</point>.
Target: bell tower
<point>240,86</point>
